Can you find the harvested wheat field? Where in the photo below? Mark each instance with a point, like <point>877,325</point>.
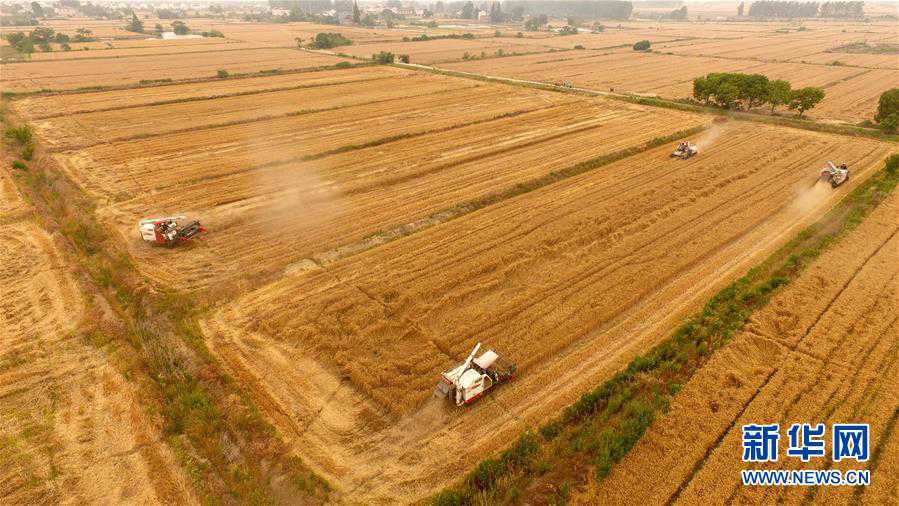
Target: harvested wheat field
<point>125,168</point>
<point>343,357</point>
<point>131,70</point>
<point>354,198</point>
<point>436,51</point>
<point>851,92</point>
<point>51,106</point>
<point>624,71</point>
<point>239,111</point>
<point>824,350</point>
<point>152,47</point>
<point>71,427</point>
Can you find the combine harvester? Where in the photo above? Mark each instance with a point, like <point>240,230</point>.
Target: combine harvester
<point>470,379</point>
<point>170,230</point>
<point>835,175</point>
<point>685,150</point>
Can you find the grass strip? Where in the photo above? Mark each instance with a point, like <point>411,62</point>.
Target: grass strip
<point>595,432</point>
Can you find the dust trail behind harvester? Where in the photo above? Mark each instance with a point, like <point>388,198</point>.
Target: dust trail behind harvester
<point>808,198</point>
<point>285,199</point>
<point>709,137</point>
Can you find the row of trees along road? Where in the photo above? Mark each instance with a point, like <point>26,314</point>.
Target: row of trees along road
<point>733,90</point>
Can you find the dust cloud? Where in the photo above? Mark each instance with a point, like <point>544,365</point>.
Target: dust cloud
<point>287,197</point>
<point>809,198</point>
<point>709,137</point>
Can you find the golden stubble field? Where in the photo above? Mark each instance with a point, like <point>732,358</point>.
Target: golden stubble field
<point>557,280</point>
<point>805,58</point>
<point>390,153</point>
<point>363,237</point>
<point>824,350</point>
<point>71,427</point>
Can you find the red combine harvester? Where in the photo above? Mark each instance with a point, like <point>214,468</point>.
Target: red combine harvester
<point>170,230</point>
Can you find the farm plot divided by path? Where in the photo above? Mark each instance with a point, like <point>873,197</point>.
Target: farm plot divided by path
<point>331,99</point>
<point>279,191</point>
<point>825,350</point>
<point>851,92</point>
<point>570,281</point>
<point>63,75</point>
<point>71,428</point>
<point>50,106</point>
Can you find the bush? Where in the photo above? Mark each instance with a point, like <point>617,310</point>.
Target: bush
<point>28,151</point>
<point>892,164</point>
<point>447,498</point>
<point>643,45</point>
<point>578,46</point>
<point>343,65</point>
<point>222,73</point>
<point>890,124</point>
<point>404,58</point>
<point>18,165</point>
<point>327,40</point>
<point>22,134</point>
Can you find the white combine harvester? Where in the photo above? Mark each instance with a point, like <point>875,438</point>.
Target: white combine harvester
<point>470,379</point>
<point>169,230</point>
<point>685,150</point>
<point>835,175</point>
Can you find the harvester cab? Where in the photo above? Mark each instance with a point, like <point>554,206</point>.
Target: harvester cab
<point>469,380</point>
<point>835,175</point>
<point>685,150</point>
<point>169,230</point>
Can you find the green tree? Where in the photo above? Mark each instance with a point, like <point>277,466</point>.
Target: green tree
<point>357,14</point>
<point>37,10</point>
<point>779,93</point>
<point>702,89</point>
<point>727,95</point>
<point>804,99</point>
<point>888,104</point>
<point>136,24</point>
<point>753,89</point>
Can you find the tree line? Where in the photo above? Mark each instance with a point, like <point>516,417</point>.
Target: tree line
<point>734,90</point>
<point>42,37</point>
<point>585,9</point>
<point>781,9</point>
